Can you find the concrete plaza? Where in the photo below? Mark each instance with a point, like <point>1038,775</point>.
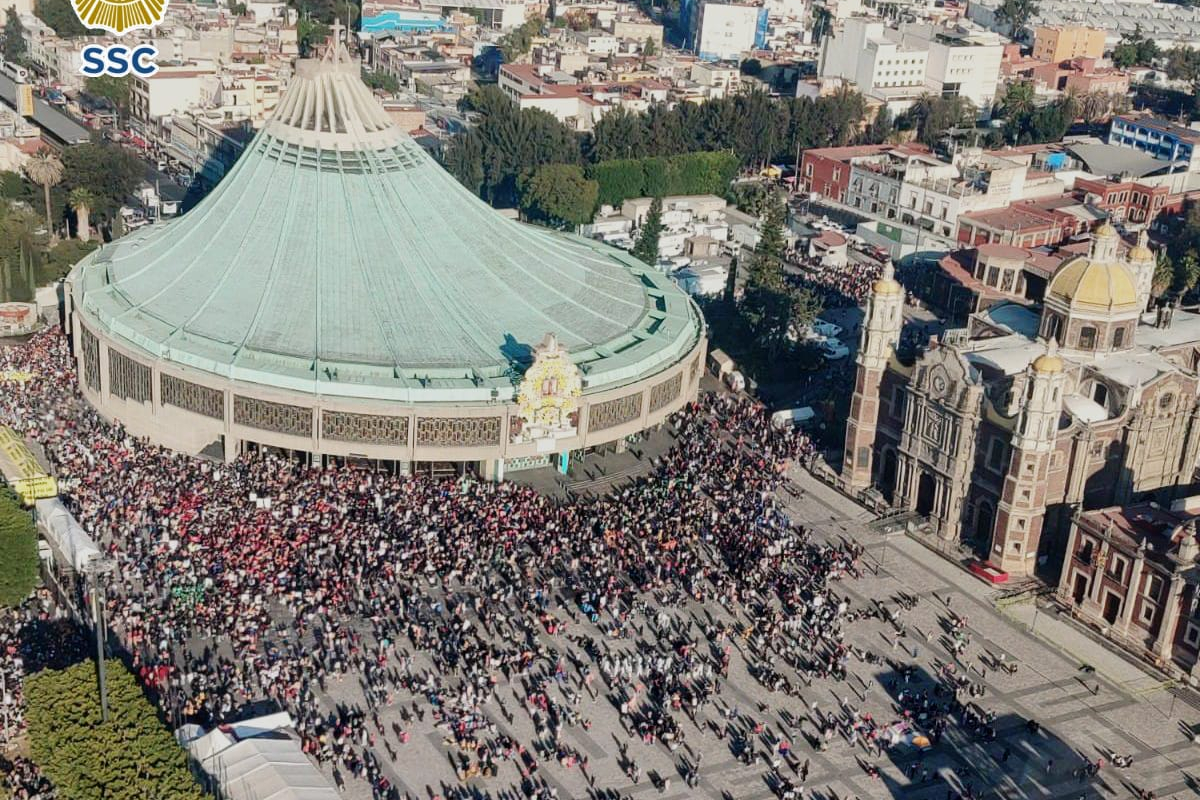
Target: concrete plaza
<point>1082,714</point>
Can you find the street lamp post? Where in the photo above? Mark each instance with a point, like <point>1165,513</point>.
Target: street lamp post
<point>97,571</point>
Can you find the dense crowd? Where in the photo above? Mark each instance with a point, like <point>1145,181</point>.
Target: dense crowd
<point>265,579</point>
<point>842,285</point>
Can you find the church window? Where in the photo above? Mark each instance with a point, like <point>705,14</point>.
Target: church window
<point>1166,401</point>
<point>1087,338</point>
<point>1100,394</point>
<point>864,456</point>
<point>1192,636</point>
<point>1147,612</point>
<point>1118,338</point>
<point>995,459</point>
<point>1154,587</point>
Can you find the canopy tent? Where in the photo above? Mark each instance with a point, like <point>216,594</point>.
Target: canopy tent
<point>65,534</point>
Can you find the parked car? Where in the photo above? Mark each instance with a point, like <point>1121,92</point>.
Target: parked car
<point>827,329</point>
<point>833,349</point>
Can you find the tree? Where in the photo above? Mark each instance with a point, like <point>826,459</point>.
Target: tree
<point>81,200</point>
<point>1164,274</point>
<point>108,171</point>
<point>45,170</point>
<point>115,89</point>
<point>646,247</point>
<point>882,127</point>
<point>1018,99</point>
<point>649,49</point>
<point>377,79</point>
<point>311,34</point>
<point>767,304</point>
<point>15,49</point>
<point>61,16</point>
<point>1017,14</point>
<point>517,42</point>
<point>1134,49</point>
<point>560,195</point>
<point>131,756</point>
<point>751,67</point>
<point>18,551</point>
<point>1187,271</point>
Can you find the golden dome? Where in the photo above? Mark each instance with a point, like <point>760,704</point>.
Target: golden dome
<point>1105,229</point>
<point>1047,363</point>
<point>1140,252</point>
<point>886,286</point>
<point>887,283</point>
<point>1084,282</point>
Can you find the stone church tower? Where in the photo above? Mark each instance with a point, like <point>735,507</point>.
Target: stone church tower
<point>880,335</point>
<point>1022,506</point>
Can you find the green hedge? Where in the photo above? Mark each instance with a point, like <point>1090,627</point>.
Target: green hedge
<point>707,172</point>
<point>131,757</point>
<point>18,550</point>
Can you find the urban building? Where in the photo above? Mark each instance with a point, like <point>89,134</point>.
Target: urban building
<point>1159,138</point>
<point>1130,572</point>
<point>721,31</point>
<point>999,431</point>
<point>1057,43</point>
<point>897,65</point>
<point>340,295</point>
<point>1166,24</point>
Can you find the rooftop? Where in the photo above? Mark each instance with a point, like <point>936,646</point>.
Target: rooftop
<point>338,257</point>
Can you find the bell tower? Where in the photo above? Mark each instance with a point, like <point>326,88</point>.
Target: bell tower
<point>880,335</point>
<point>1022,504</point>
<point>1142,263</point>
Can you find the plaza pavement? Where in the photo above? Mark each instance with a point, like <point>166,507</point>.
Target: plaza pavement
<point>1116,708</point>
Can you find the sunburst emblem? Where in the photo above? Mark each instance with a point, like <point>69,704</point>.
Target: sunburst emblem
<point>120,16</point>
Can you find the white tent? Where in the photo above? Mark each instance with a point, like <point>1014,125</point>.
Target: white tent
<point>65,534</point>
<point>268,765</point>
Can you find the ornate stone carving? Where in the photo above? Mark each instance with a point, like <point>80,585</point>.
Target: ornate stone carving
<point>458,431</point>
<point>268,416</point>
<point>665,393</point>
<point>344,426</point>
<point>128,378</point>
<point>694,369</point>
<point>203,400</point>
<point>548,397</point>
<point>89,345</point>
<point>615,412</point>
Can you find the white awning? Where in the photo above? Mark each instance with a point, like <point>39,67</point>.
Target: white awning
<point>65,534</point>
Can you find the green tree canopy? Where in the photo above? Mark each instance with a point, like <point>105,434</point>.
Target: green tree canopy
<point>377,79</point>
<point>108,171</point>
<point>18,551</point>
<point>1016,14</point>
<point>115,89</point>
<point>14,49</point>
<point>130,757</point>
<point>60,15</point>
<point>517,43</point>
<point>559,195</point>
<point>1134,49</point>
<point>645,249</point>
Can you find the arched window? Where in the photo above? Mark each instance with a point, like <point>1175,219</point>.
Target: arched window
<point>1087,338</point>
<point>1118,337</point>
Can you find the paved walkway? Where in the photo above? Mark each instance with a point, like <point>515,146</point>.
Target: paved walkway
<point>1081,715</point>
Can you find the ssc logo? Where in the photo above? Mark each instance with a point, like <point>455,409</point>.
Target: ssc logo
<point>120,16</point>
<point>118,60</point>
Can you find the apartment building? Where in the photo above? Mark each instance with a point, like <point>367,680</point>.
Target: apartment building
<point>1055,43</point>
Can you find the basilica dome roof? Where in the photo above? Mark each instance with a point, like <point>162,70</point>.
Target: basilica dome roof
<point>338,257</point>
<point>1085,282</point>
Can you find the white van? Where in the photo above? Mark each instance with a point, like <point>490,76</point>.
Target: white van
<point>793,416</point>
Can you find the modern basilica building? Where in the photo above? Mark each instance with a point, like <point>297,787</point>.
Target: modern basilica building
<point>340,294</point>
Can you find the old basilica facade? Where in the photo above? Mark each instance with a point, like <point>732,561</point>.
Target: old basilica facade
<point>1000,432</point>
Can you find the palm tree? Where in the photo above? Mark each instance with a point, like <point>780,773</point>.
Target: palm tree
<point>1095,106</point>
<point>1017,14</point>
<point>45,170</point>
<point>82,201</point>
<point>1018,99</point>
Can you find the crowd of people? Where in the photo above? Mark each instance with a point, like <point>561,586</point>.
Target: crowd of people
<point>842,285</point>
<point>265,581</point>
